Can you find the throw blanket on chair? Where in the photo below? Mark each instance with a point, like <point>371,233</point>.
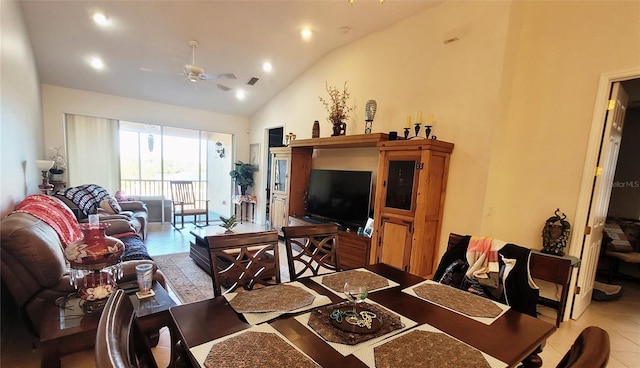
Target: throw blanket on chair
<point>53,213</point>
<point>482,256</point>
<point>87,197</point>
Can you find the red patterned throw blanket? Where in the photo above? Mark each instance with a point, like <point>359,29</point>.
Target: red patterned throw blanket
<point>53,213</point>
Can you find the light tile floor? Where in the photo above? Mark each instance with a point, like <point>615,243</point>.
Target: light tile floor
<point>621,318</point>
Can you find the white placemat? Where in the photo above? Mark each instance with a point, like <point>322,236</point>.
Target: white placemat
<point>257,318</point>
<point>485,320</point>
<point>318,279</point>
<point>367,357</point>
<point>349,349</point>
<point>200,352</point>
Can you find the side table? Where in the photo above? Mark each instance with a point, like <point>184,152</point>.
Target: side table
<point>67,330</point>
<point>244,201</point>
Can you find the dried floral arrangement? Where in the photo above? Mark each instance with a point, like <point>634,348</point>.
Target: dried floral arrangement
<point>337,106</point>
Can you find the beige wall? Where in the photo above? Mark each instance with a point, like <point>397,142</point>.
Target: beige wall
<point>515,94</point>
<point>57,101</point>
<point>406,68</point>
<point>560,50</point>
<point>20,117</point>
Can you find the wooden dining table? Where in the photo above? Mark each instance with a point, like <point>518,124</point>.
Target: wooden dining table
<point>510,338</point>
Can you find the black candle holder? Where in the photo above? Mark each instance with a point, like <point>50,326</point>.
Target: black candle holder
<point>427,131</point>
<point>417,129</point>
<point>406,133</point>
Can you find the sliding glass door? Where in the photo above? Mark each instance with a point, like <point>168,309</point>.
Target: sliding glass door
<point>151,156</point>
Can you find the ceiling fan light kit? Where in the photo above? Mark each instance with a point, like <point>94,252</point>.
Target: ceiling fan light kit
<point>195,73</point>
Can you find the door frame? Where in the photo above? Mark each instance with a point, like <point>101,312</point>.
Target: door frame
<point>585,195</point>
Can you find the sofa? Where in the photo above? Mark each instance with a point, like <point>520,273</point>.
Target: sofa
<point>89,199</point>
<point>33,266</point>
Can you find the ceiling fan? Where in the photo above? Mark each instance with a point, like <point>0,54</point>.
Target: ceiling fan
<point>195,73</point>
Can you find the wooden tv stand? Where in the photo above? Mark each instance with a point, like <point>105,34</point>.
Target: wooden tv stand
<point>353,249</point>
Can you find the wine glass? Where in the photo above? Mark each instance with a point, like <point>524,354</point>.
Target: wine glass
<point>357,294</point>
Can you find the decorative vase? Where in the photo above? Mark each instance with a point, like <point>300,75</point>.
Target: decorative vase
<point>95,265</point>
<point>315,132</point>
<point>56,177</point>
<point>369,113</point>
<point>339,128</point>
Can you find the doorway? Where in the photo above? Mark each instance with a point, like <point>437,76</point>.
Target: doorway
<point>600,142</point>
<point>275,137</point>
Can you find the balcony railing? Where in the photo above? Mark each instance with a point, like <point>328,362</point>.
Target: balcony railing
<point>158,188</point>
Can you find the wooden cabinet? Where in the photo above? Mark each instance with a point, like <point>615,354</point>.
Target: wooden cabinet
<point>290,169</point>
<point>410,191</point>
<point>353,249</point>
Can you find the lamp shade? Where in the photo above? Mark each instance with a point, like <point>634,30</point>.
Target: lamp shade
<point>44,165</point>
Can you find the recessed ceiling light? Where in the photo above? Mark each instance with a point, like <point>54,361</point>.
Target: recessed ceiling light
<point>100,19</point>
<point>267,66</point>
<point>96,63</point>
<point>240,95</point>
<point>306,34</point>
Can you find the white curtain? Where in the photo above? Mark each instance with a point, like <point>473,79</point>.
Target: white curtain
<point>93,151</point>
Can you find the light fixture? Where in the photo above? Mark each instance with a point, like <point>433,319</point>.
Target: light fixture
<point>44,166</point>
<point>100,19</point>
<point>306,34</point>
<point>96,63</point>
<point>240,95</point>
<point>267,67</point>
<point>95,264</point>
<point>219,149</point>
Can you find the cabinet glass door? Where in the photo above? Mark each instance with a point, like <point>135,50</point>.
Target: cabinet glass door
<point>400,184</point>
<point>280,175</point>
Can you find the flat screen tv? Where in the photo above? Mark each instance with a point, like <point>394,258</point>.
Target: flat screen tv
<point>340,196</point>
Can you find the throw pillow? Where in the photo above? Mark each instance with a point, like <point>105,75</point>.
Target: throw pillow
<point>110,206</point>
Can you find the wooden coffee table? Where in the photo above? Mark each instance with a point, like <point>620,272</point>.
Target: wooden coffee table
<point>67,330</point>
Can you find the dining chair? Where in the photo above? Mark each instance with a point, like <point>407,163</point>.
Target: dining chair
<point>184,203</point>
<point>119,340</point>
<point>243,260</point>
<point>591,349</point>
<point>311,249</point>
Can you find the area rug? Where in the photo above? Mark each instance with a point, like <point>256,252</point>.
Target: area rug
<point>188,281</point>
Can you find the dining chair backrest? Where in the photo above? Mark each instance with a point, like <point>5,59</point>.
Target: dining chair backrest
<point>243,260</point>
<point>119,340</point>
<point>185,203</point>
<point>591,349</point>
<point>311,249</point>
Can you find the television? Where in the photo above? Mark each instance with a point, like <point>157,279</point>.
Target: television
<point>339,196</point>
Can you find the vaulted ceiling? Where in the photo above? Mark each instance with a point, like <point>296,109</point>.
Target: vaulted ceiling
<point>145,45</point>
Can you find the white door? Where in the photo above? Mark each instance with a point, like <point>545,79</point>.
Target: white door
<point>600,198</point>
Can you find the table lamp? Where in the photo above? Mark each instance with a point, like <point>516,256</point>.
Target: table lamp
<point>44,166</point>
<point>95,264</point>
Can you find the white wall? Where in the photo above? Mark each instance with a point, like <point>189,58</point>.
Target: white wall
<point>57,101</point>
<point>20,111</point>
<point>515,94</point>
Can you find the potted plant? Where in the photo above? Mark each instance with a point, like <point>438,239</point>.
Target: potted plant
<point>243,176</point>
<point>229,223</point>
<point>59,164</point>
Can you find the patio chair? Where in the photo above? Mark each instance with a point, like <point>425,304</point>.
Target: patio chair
<point>184,203</point>
<point>243,260</point>
<point>311,249</point>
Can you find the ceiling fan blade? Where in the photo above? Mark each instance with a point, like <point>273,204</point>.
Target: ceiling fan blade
<point>223,87</point>
<point>227,76</point>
